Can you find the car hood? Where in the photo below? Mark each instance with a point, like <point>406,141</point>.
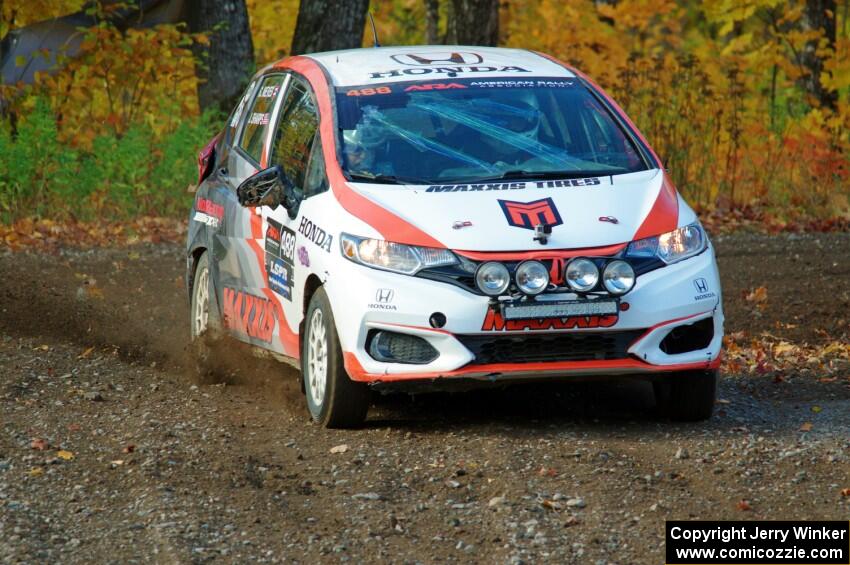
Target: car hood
<point>591,212</point>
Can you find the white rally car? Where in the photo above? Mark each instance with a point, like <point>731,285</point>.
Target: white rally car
<point>427,215</point>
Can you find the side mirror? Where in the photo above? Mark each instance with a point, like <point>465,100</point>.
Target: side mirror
<point>269,187</point>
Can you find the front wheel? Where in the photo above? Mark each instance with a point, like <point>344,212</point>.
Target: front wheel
<point>688,396</point>
<point>333,399</point>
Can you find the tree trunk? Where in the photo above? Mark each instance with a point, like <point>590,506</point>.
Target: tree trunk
<point>225,64</point>
<point>818,14</point>
<point>473,22</point>
<point>432,21</point>
<point>327,25</point>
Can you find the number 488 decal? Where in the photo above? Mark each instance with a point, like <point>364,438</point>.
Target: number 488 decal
<point>369,91</point>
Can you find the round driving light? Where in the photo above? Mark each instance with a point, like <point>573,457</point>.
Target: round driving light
<point>618,277</point>
<point>532,277</point>
<point>492,278</point>
<point>582,274</point>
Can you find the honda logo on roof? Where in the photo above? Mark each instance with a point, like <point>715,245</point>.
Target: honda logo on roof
<point>454,58</point>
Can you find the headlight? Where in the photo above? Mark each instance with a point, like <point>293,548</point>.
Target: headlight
<point>582,274</point>
<point>618,277</point>
<point>532,277</point>
<point>673,246</point>
<point>492,278</point>
<point>395,257</point>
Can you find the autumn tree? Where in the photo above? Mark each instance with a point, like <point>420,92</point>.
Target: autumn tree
<point>327,25</point>
<point>818,15</point>
<point>225,61</point>
<point>473,22</point>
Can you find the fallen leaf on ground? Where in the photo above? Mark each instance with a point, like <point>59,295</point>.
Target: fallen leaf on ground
<point>66,455</point>
<point>816,409</point>
<point>85,353</point>
<point>39,444</point>
<point>340,448</point>
<point>36,471</point>
<point>129,448</point>
<point>757,296</point>
<point>845,492</point>
<point>806,427</point>
<point>744,506</point>
<point>547,472</point>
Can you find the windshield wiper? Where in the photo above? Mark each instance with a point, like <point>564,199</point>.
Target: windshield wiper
<point>385,179</point>
<point>519,174</point>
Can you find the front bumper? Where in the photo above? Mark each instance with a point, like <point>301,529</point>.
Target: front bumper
<point>366,300</point>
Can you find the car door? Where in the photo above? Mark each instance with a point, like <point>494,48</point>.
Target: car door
<point>296,147</point>
<point>248,313</point>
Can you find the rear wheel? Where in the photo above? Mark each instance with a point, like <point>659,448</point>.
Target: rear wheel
<point>687,396</point>
<point>205,325</point>
<point>333,399</point>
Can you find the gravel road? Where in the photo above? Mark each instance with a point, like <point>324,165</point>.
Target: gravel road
<point>110,453</point>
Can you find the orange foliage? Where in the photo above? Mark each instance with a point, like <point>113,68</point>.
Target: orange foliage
<point>714,89</point>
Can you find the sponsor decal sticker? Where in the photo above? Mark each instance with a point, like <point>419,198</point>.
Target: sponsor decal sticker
<point>303,256</point>
<point>247,314</point>
<point>701,286</point>
<point>280,257</point>
<point>259,118</point>
<point>452,57</point>
<point>485,187</point>
<point>528,215</point>
<point>315,234</point>
<point>449,71</point>
<point>208,212</point>
<point>495,322</point>
<point>280,277</point>
<point>434,86</point>
<point>206,219</point>
<point>269,91</point>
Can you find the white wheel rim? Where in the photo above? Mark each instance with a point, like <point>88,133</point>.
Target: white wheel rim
<point>201,314</point>
<point>317,357</point>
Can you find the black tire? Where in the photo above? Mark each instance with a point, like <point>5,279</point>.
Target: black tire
<point>339,402</point>
<point>688,396</point>
<point>206,336</point>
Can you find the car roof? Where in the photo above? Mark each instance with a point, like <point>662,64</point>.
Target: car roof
<point>376,65</point>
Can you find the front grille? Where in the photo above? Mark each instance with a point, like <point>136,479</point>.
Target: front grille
<point>583,346</point>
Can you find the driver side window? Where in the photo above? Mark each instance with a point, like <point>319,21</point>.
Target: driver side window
<point>296,140</point>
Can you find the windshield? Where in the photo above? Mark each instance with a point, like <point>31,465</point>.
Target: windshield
<point>465,130</point>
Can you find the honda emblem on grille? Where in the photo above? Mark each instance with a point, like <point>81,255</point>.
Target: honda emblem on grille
<point>701,285</point>
<point>384,296</point>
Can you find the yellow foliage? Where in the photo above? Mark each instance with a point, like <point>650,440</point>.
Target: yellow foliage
<point>119,79</point>
<point>272,25</point>
<point>19,13</point>
<point>713,88</point>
